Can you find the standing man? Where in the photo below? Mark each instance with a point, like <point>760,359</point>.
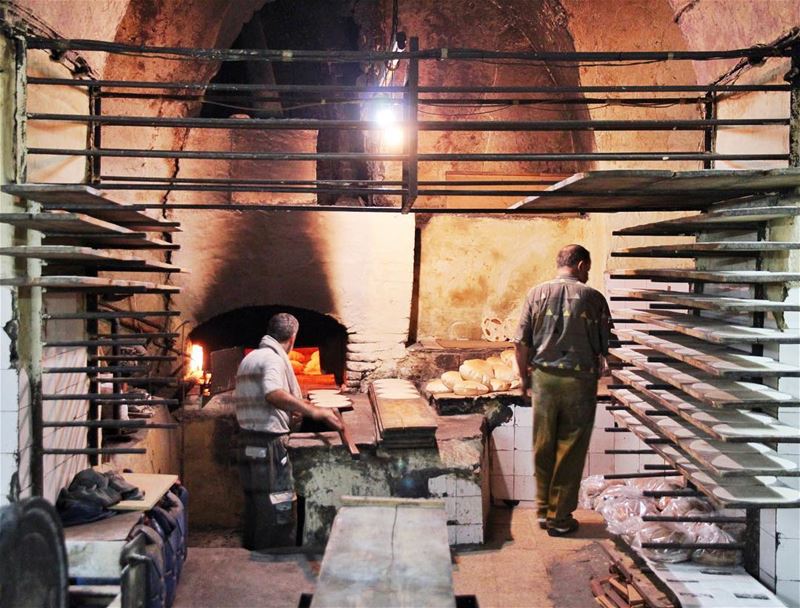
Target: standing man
<point>563,336</point>
<point>267,397</point>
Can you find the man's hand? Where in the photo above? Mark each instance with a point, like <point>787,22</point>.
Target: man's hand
<point>328,416</point>
<point>295,420</point>
<point>602,365</point>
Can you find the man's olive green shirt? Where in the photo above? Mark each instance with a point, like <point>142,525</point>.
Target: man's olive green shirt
<point>566,324</point>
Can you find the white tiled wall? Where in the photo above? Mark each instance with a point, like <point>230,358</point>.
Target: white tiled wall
<point>784,538</point>
<point>512,455</point>
<point>9,409</point>
<point>463,503</point>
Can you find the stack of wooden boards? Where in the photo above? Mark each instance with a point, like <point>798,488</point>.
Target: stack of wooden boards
<point>614,592</point>
<point>403,418</point>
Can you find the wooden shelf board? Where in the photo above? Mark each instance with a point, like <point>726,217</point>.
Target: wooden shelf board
<point>86,256</point>
<point>61,222</point>
<point>717,392</point>
<point>730,425</point>
<point>737,218</point>
<point>660,189</point>
<point>92,284</point>
<point>692,250</point>
<point>706,276</point>
<point>133,240</point>
<point>708,302</point>
<point>714,359</point>
<point>721,459</point>
<point>753,492</point>
<point>713,330</point>
<point>79,197</point>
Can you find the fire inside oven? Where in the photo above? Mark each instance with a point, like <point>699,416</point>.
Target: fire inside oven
<point>318,357</point>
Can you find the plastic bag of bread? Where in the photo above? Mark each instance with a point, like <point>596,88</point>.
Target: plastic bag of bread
<point>476,370</point>
<point>449,379</point>
<point>624,517</point>
<point>469,388</point>
<point>591,488</point>
<point>681,506</point>
<point>711,533</point>
<point>658,532</point>
<point>496,384</point>
<point>434,387</point>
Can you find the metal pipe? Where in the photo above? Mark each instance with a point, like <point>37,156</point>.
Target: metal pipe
<point>357,156</point>
<point>170,182</point>
<point>96,451</point>
<point>342,56</point>
<point>300,88</point>
<point>110,424</point>
<point>712,546</point>
<point>639,475</point>
<point>426,125</point>
<point>717,519</point>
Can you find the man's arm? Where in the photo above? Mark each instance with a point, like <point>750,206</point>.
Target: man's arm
<point>284,400</point>
<point>522,352</point>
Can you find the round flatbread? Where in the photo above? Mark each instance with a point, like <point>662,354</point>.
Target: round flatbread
<point>469,388</point>
<point>450,379</point>
<point>435,387</point>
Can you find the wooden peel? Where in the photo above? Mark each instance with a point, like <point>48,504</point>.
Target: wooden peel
<point>346,439</point>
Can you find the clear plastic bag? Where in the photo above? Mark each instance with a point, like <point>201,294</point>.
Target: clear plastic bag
<point>711,533</point>
<point>592,487</point>
<point>658,532</point>
<point>624,516</point>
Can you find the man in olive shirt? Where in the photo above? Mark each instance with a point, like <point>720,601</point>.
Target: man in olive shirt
<point>563,336</point>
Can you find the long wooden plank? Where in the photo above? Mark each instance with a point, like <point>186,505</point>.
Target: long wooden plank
<point>90,284</point>
<point>706,276</point>
<point>712,330</point>
<point>86,256</point>
<point>61,222</point>
<point>693,250</point>
<point>721,459</point>
<point>751,492</point>
<point>644,189</point>
<point>79,197</point>
<point>714,359</point>
<point>740,218</point>
<point>386,556</point>
<point>730,425</point>
<point>716,392</point>
<point>708,302</point>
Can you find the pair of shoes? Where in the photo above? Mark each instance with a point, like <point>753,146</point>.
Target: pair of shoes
<point>542,521</point>
<point>563,529</point>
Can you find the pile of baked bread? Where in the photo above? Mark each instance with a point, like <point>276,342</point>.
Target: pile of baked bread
<point>479,376</point>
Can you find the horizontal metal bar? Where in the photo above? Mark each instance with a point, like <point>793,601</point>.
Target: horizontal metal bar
<point>657,467</point>
<point>344,56</point>
<point>131,357</point>
<point>429,125</point>
<point>94,370</point>
<point>144,335</point>
<point>621,451</point>
<point>115,342</point>
<point>659,493</point>
<point>717,519</point>
<point>359,156</point>
<point>300,88</point>
<point>616,429</point>
<point>712,546</point>
<point>138,380</point>
<point>362,183</point>
<point>644,474</point>
<point>109,315</point>
<point>110,424</point>
<point>107,397</point>
<point>95,451</point>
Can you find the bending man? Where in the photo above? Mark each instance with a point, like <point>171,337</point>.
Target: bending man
<point>268,396</point>
<point>563,337</point>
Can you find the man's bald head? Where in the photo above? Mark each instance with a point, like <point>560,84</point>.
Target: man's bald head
<point>570,255</point>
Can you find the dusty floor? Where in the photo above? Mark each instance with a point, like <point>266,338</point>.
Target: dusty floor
<point>520,566</point>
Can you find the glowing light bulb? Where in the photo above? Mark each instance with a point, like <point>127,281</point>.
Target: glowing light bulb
<point>196,361</point>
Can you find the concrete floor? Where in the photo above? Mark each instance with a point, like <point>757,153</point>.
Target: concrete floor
<point>520,566</point>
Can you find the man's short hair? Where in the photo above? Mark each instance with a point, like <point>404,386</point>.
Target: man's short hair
<point>571,255</point>
<point>282,326</point>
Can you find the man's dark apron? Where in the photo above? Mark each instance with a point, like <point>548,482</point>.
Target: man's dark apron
<point>270,503</point>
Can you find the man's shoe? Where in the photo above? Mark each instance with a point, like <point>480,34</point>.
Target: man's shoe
<point>542,521</point>
<point>564,529</point>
